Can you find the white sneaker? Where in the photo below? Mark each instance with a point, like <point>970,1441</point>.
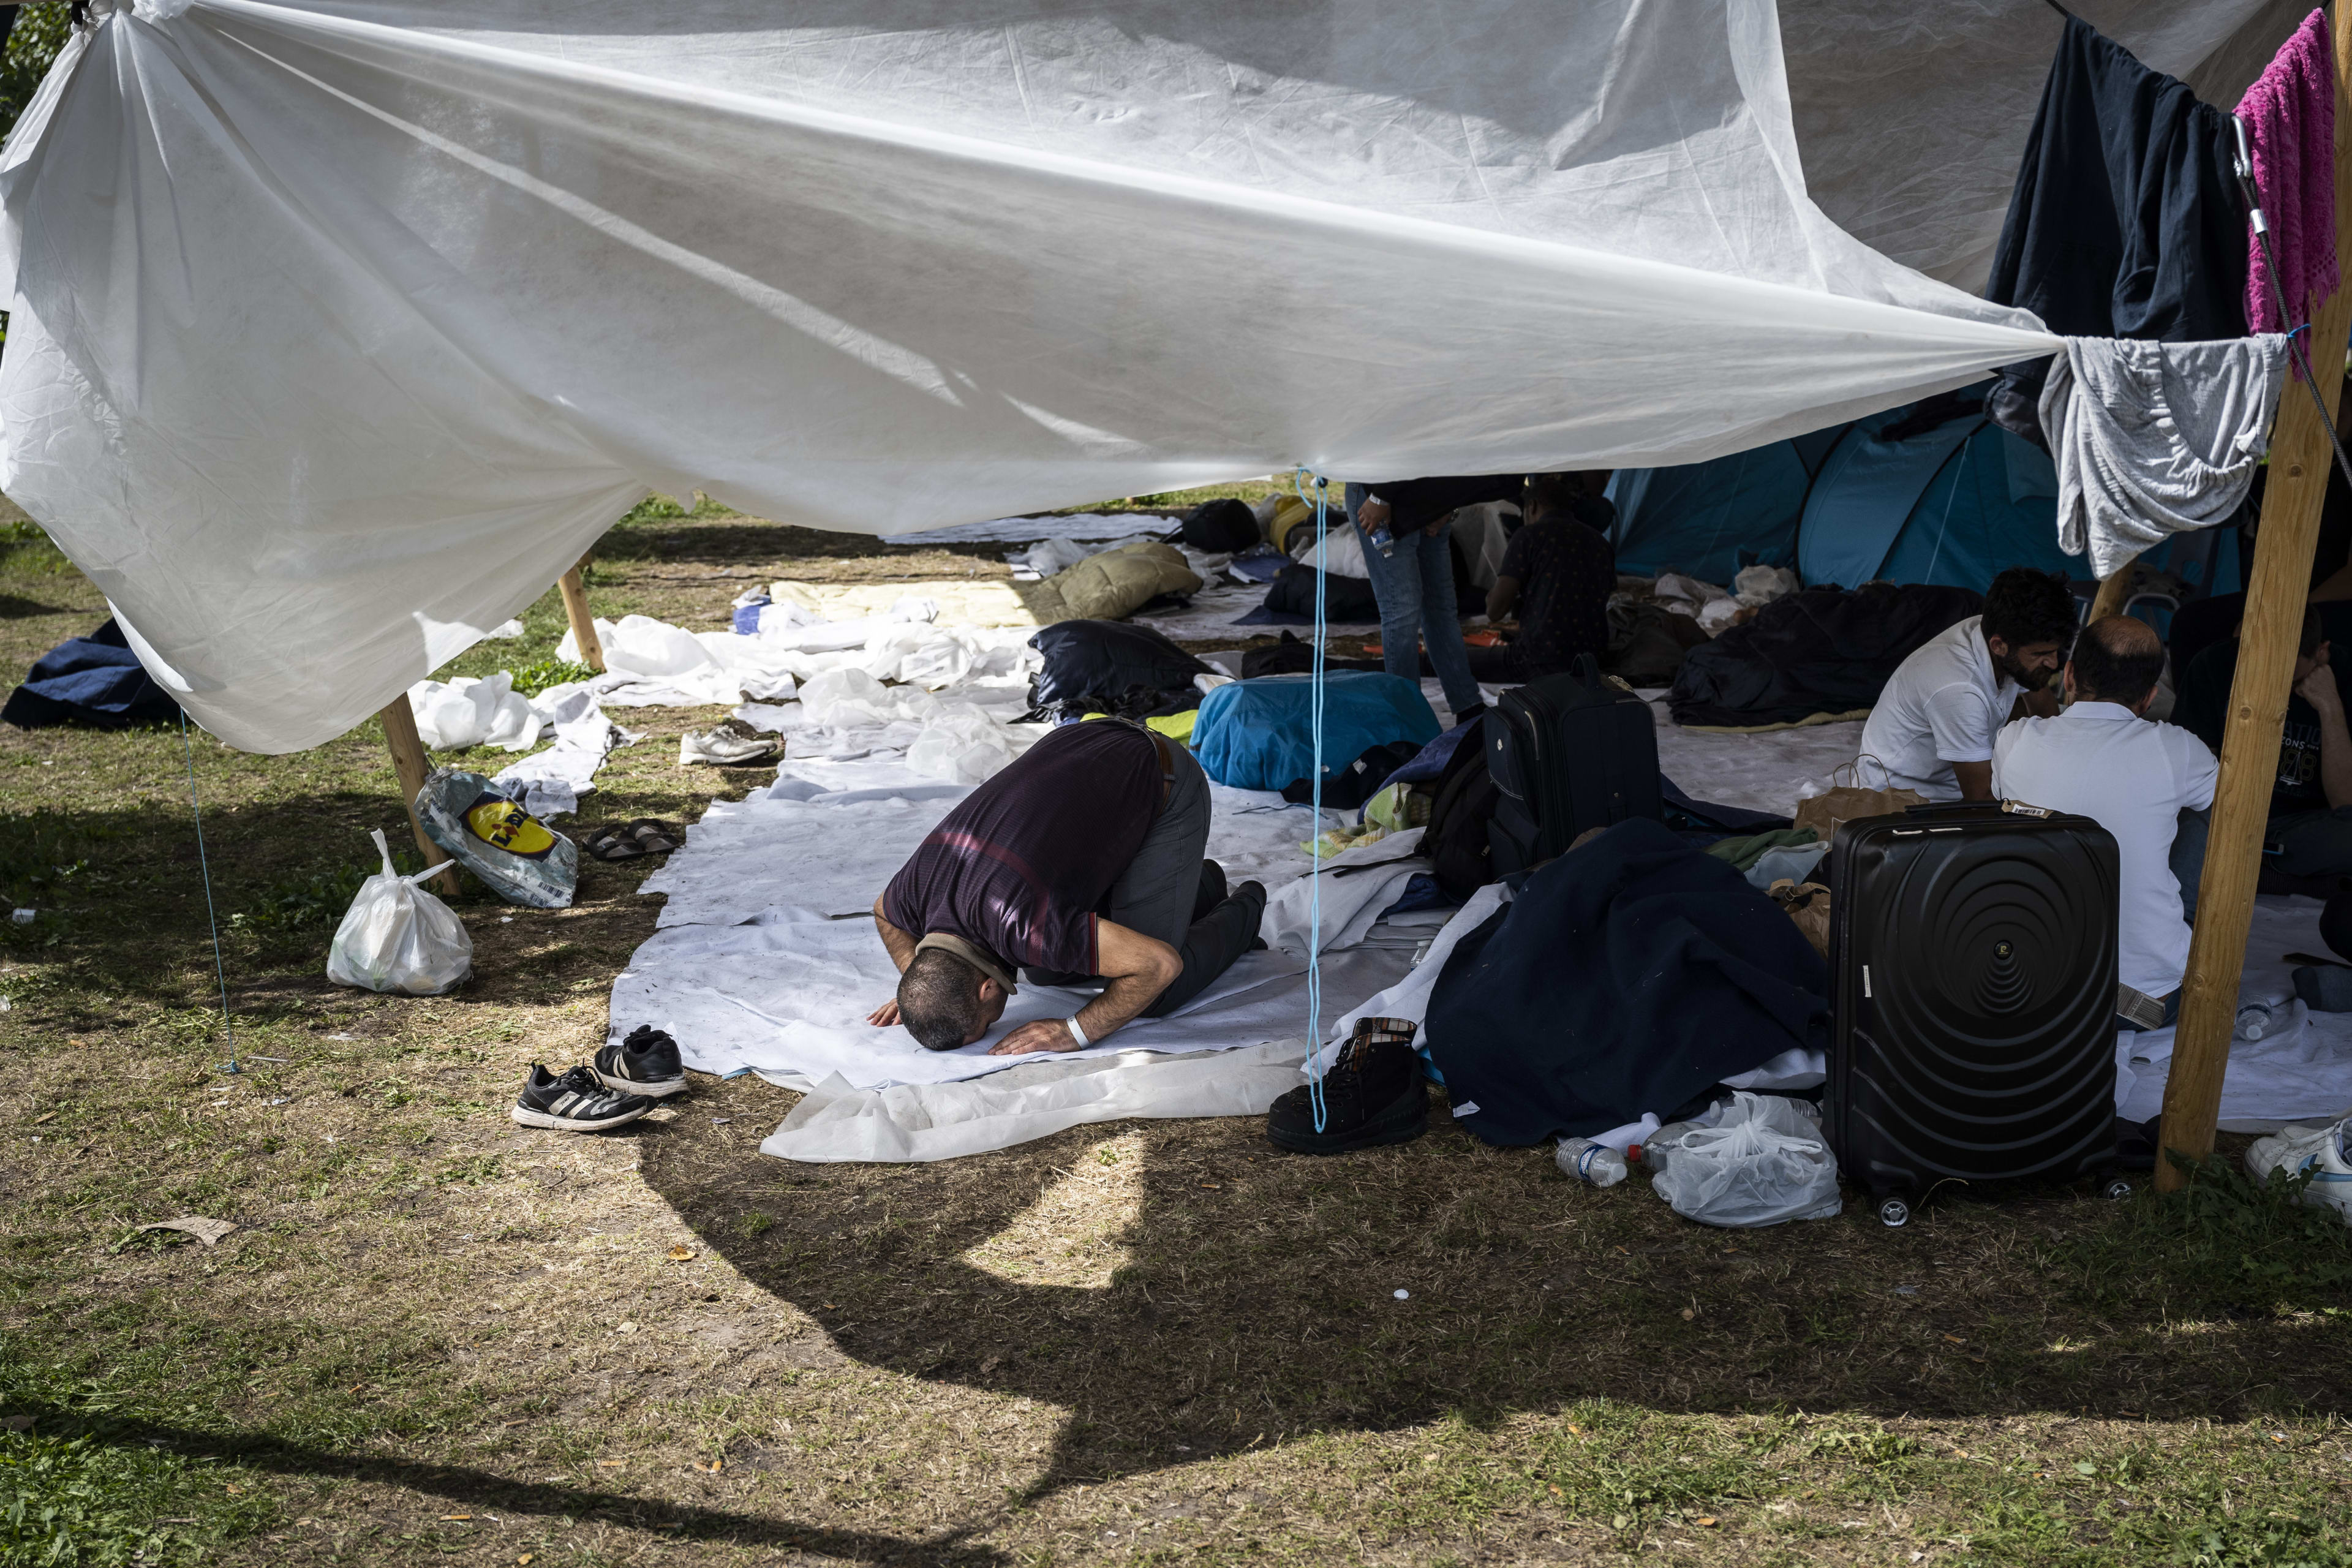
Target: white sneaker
<point>731,743</point>
<point>2320,1151</point>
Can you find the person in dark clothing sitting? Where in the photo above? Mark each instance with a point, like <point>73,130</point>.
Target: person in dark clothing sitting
<point>1557,572</point>
<point>2311,800</point>
<point>1081,864</point>
<point>1413,580</point>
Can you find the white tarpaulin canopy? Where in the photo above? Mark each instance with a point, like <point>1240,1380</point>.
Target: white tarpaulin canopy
<point>341,327</point>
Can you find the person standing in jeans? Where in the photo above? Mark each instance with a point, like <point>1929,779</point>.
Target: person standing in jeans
<point>1414,582</point>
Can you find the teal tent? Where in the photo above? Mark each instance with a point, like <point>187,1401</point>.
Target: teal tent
<point>1931,492</point>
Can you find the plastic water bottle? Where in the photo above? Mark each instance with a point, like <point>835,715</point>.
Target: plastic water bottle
<point>1596,1164</point>
<point>1384,540</point>
<point>2253,1021</point>
<point>1660,1145</point>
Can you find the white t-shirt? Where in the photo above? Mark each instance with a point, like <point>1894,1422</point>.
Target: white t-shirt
<point>2132,778</point>
<point>1944,705</point>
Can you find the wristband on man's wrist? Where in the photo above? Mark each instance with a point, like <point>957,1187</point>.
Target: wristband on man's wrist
<point>1071,1023</point>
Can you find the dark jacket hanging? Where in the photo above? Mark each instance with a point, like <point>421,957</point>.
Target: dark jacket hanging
<point>2126,220</point>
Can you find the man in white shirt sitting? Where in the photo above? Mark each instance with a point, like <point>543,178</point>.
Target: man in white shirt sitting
<point>2134,777</point>
<point>1934,724</point>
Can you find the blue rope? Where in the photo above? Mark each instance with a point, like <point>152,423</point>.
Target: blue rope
<point>220,965</point>
<point>1321,558</point>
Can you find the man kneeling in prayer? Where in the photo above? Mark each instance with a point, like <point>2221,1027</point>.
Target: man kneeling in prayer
<point>1081,863</point>
<point>2141,781</point>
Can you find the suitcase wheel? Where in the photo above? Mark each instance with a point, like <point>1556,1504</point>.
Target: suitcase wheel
<point>2117,1190</point>
<point>1894,1213</point>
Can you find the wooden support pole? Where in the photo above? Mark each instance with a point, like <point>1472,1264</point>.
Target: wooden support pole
<point>409,763</point>
<point>2299,465</point>
<point>584,625</point>
<point>2112,590</point>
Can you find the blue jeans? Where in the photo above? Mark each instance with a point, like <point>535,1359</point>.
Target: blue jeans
<point>1415,590</point>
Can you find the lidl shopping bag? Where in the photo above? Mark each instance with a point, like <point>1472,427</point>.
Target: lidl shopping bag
<point>491,835</point>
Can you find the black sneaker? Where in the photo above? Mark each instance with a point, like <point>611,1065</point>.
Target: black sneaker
<point>645,1063</point>
<point>1372,1095</point>
<point>575,1102</point>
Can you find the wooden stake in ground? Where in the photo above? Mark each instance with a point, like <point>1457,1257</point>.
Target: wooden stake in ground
<point>584,625</point>
<point>409,763</point>
<point>2300,460</point>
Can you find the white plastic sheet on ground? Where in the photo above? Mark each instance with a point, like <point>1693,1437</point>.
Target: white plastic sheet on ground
<point>2300,1073</point>
<point>337,332</point>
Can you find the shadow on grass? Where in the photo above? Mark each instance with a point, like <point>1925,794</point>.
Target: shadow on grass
<point>471,1488</point>
<point>1259,1299</point>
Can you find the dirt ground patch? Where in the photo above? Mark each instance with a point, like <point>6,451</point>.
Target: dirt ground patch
<point>436,1337</point>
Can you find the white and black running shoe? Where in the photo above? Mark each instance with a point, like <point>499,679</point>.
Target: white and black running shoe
<point>645,1063</point>
<point>575,1102</point>
<point>731,743</point>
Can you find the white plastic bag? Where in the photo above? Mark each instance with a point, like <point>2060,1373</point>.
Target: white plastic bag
<point>1763,1163</point>
<point>398,937</point>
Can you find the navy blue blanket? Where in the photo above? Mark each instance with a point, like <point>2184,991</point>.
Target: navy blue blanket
<point>1625,977</point>
<point>95,681</point>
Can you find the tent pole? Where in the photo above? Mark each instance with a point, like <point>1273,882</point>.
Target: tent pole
<point>2110,599</point>
<point>584,625</point>
<point>2299,467</point>
<point>408,761</point>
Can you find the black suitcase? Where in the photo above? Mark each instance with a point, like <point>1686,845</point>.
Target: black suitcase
<point>1567,753</point>
<point>1972,957</point>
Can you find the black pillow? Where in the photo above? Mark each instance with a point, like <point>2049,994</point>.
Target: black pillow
<point>1346,600</point>
<point>1107,659</point>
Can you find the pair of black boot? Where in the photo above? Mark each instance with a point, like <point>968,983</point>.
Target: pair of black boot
<point>1372,1094</point>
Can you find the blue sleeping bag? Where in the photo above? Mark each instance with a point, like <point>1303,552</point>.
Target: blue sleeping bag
<point>95,681</point>
<point>1258,733</point>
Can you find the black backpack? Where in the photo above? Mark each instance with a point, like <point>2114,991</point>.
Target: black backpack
<point>1461,852</point>
<point>1224,527</point>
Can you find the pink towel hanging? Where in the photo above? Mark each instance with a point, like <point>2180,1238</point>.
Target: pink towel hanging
<point>2290,118</point>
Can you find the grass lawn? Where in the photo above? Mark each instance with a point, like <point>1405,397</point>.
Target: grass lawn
<point>436,1337</point>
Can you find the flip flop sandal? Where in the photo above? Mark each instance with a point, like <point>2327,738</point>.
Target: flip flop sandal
<point>654,837</point>
<point>613,844</point>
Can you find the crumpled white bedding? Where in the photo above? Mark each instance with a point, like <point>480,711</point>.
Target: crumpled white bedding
<point>1041,1096</point>
<point>652,664</point>
<point>1358,884</point>
<point>554,780</point>
<point>2302,1072</point>
<point>474,710</point>
<point>487,711</point>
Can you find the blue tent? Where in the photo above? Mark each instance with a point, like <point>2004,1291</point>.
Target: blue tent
<point>1894,496</point>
